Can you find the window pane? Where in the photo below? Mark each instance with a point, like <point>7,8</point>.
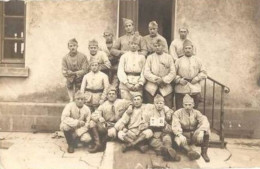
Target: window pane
<point>14,8</point>
<point>13,49</point>
<point>14,27</point>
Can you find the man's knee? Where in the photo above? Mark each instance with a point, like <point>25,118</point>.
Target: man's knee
<point>85,138</point>
<point>125,94</point>
<point>65,127</point>
<point>179,141</point>
<point>92,124</point>
<point>148,133</point>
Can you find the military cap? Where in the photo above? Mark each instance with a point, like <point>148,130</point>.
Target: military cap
<point>108,30</point>
<point>187,43</point>
<point>111,88</point>
<point>79,94</point>
<point>73,41</point>
<point>93,42</point>
<point>93,60</point>
<point>158,41</point>
<point>153,24</point>
<point>158,98</point>
<point>188,99</point>
<point>136,94</point>
<point>126,21</point>
<point>136,39</point>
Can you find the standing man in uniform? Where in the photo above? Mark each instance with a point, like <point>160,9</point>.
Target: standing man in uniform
<point>94,86</point>
<point>74,67</point>
<point>104,118</point>
<point>190,72</point>
<point>188,123</point>
<point>75,120</point>
<point>100,56</point>
<point>159,72</point>
<point>153,35</point>
<point>121,45</point>
<point>159,117</point>
<point>176,47</point>
<point>108,35</point>
<point>130,70</point>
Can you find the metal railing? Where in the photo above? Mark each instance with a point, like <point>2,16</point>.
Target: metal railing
<point>224,89</point>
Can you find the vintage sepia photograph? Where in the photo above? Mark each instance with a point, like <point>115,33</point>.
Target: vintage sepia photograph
<point>129,84</point>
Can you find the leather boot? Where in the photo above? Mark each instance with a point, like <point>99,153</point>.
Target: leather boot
<point>95,135</point>
<point>204,148</point>
<point>128,144</point>
<point>193,155</point>
<point>169,154</point>
<point>70,141</point>
<point>143,148</point>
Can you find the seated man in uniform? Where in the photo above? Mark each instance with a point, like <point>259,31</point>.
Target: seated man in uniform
<point>158,115</point>
<point>130,71</point>
<point>98,55</point>
<point>105,117</point>
<point>132,127</point>
<point>75,120</point>
<point>190,123</point>
<point>94,86</point>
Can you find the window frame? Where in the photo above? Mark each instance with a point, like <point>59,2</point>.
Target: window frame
<point>7,61</point>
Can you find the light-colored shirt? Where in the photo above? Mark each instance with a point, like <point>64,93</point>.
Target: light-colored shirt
<point>131,62</point>
<point>102,59</point>
<point>189,68</point>
<point>182,120</point>
<point>71,116</point>
<point>132,121</point>
<point>122,44</point>
<point>150,40</point>
<point>95,81</point>
<point>111,112</point>
<point>159,66</point>
<point>176,49</point>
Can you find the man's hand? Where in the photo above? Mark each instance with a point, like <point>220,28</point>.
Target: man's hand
<point>111,132</point>
<point>195,80</point>
<point>183,139</point>
<point>137,87</point>
<point>159,81</point>
<point>101,120</point>
<point>143,126</point>
<point>101,101</point>
<point>183,81</point>
<point>129,86</point>
<point>69,72</point>
<point>200,136</point>
<point>168,117</point>
<point>81,123</point>
<point>129,110</point>
<point>122,52</point>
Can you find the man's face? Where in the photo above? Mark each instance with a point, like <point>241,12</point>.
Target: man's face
<point>79,101</point>
<point>188,51</point>
<point>93,49</point>
<point>153,31</point>
<point>111,96</point>
<point>159,105</point>
<point>158,48</point>
<point>137,101</point>
<point>183,33</point>
<point>73,48</point>
<point>133,46</point>
<point>188,106</point>
<point>129,27</point>
<point>94,67</point>
<point>108,37</point>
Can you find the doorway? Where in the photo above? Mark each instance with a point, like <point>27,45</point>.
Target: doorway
<point>161,11</point>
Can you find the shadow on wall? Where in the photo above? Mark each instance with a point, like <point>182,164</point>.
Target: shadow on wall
<point>55,95</point>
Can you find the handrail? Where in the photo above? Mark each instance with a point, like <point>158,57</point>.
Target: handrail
<point>227,89</point>
<point>224,89</point>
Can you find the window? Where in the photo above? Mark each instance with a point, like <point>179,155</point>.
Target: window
<point>12,32</point>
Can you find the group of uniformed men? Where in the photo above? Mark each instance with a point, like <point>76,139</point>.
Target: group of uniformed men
<point>140,71</point>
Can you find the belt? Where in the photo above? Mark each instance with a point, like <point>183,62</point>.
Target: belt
<point>188,130</point>
<point>95,90</point>
<point>132,73</point>
<point>189,80</point>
